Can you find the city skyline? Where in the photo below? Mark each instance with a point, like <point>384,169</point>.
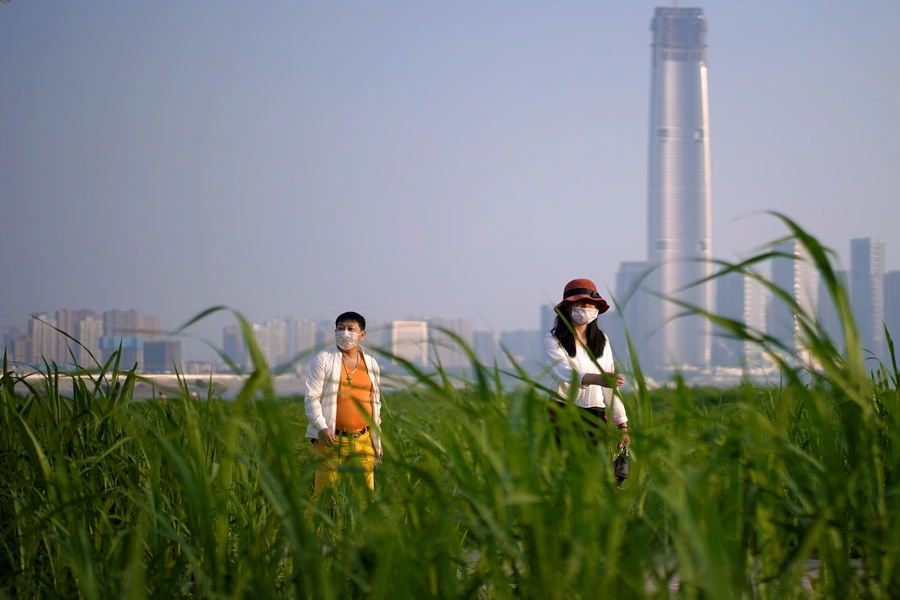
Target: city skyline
<point>282,339</point>
<point>230,164</point>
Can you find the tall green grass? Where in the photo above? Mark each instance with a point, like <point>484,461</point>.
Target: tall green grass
<point>779,491</point>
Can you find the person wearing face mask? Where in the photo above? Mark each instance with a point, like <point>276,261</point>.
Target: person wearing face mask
<point>579,352</point>
<point>342,400</point>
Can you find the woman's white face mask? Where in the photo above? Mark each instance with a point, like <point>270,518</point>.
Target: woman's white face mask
<point>583,316</point>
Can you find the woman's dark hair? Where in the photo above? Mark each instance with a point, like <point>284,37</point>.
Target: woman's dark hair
<point>562,331</point>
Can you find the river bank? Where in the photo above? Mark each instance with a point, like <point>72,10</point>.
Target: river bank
<point>225,385</point>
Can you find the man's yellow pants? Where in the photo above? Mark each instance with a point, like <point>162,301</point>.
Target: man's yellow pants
<point>355,452</point>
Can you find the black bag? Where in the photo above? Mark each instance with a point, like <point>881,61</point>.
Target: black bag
<point>622,465</point>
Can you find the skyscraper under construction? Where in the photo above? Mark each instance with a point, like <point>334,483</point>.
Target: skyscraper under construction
<point>679,195</point>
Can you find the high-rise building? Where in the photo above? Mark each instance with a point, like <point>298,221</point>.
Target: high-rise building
<point>301,338</point>
<point>795,274</point>
<point>443,349</point>
<point>727,350</point>
<point>755,302</point>
<point>233,345</point>
<point>134,321</point>
<point>113,322</point>
<point>679,191</point>
<point>65,321</point>
<point>264,342</point>
<point>526,346</point>
<point>633,303</point>
<point>892,309</point>
<point>407,340</point>
<point>151,327</point>
<point>278,341</point>
<point>44,338</point>
<point>131,347</point>
<point>90,330</point>
<point>14,338</point>
<point>829,319</point>
<point>867,292</point>
<point>742,298</point>
<point>487,347</point>
<point>162,356</point>
<point>19,349</point>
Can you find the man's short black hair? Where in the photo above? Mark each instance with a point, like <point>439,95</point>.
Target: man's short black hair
<point>351,316</point>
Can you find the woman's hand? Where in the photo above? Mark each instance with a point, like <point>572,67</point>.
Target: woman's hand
<point>623,433</point>
<point>601,380</point>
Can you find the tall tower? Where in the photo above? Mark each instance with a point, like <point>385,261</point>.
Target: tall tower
<point>679,195</point>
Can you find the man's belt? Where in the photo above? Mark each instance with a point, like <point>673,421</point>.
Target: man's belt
<point>354,434</point>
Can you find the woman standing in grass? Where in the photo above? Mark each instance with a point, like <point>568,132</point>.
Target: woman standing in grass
<point>579,352</point>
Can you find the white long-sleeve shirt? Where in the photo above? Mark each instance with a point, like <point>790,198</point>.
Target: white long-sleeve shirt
<point>322,385</point>
<point>562,367</point>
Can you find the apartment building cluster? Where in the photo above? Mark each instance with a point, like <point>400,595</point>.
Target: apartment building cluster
<point>873,295</point>
<point>47,337</point>
<point>422,343</point>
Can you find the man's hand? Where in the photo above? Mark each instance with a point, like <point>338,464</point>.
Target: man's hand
<point>620,380</point>
<point>326,437</point>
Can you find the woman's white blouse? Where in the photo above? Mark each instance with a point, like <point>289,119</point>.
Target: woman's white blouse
<point>562,367</point>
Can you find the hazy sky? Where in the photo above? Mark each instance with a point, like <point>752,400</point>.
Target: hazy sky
<point>409,158</point>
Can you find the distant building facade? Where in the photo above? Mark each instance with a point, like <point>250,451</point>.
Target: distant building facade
<point>162,356</point>
<point>443,349</point>
<point>892,310</point>
<point>132,350</point>
<point>407,340</point>
<point>739,297</point>
<point>524,346</point>
<point>755,304</point>
<point>20,350</point>
<point>44,339</point>
<point>728,351</point>
<point>233,345</point>
<point>113,322</point>
<point>867,292</point>
<point>829,318</point>
<point>90,330</point>
<point>16,344</point>
<point>796,275</point>
<point>487,347</point>
<point>301,339</point>
<point>634,306</point>
<point>263,337</point>
<point>65,321</point>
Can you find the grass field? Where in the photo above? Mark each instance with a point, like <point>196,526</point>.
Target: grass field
<point>782,491</point>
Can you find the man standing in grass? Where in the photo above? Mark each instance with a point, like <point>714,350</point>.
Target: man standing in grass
<point>342,401</point>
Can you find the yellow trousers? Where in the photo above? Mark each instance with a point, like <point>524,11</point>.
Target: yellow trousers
<point>355,452</point>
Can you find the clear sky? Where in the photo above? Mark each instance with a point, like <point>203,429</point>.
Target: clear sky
<point>408,158</point>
